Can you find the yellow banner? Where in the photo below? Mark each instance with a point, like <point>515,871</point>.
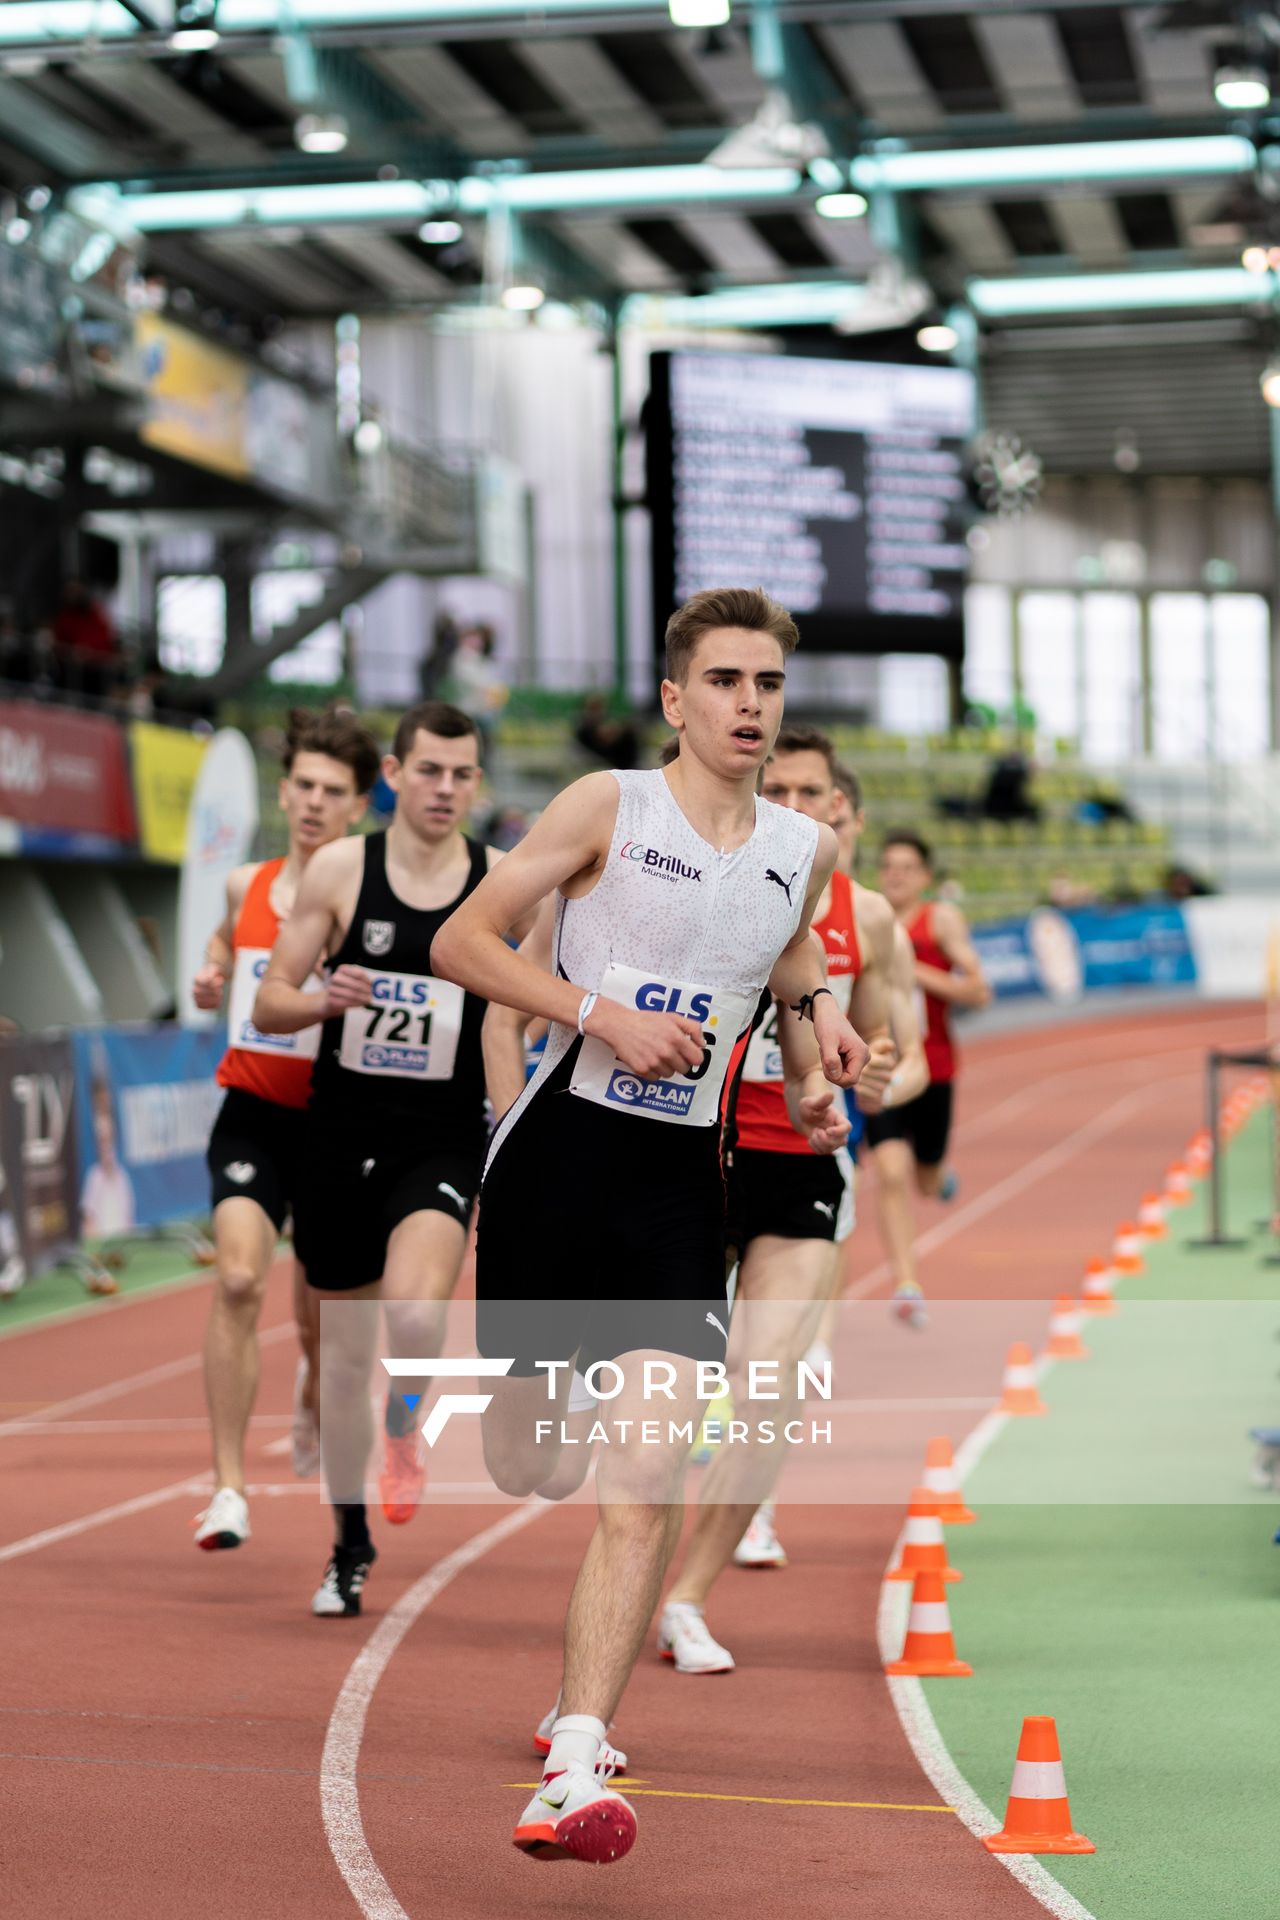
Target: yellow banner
<point>198,396</point>
<point>165,764</point>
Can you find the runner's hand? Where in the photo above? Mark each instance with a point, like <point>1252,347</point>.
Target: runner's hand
<point>348,987</point>
<point>876,1075</point>
<point>844,1052</point>
<point>826,1127</point>
<point>208,987</point>
<point>653,1045</point>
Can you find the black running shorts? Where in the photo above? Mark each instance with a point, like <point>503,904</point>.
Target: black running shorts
<point>255,1152</point>
<point>600,1234</point>
<point>924,1123</point>
<point>355,1191</point>
<point>795,1195</point>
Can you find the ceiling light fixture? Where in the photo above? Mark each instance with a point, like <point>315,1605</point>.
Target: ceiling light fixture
<point>938,339</point>
<point>1241,86</point>
<point>321,132</point>
<point>522,299</point>
<point>840,206</point>
<point>194,28</point>
<point>440,233</point>
<point>699,13</point>
<point>1270,384</point>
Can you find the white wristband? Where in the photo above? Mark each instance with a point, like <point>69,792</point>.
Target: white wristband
<point>588,1001</point>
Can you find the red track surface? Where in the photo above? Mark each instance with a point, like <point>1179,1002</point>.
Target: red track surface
<point>163,1712</point>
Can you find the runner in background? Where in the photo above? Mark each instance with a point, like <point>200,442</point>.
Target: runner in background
<point>255,1150</point>
<point>913,1137</point>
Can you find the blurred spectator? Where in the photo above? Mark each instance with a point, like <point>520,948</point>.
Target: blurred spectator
<point>1102,805</point>
<point>507,828</point>
<point>1006,797</point>
<point>435,665</point>
<point>616,742</point>
<point>1066,891</point>
<point>88,648</point>
<point>1180,883</point>
<point>475,683</point>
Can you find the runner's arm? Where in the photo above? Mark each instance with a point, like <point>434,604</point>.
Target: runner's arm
<point>811,1106</point>
<point>965,985</point>
<point>869,1006</point>
<point>210,981</point>
<point>301,944</point>
<point>800,971</point>
<point>569,841</point>
<point>502,1036</point>
<point>911,1075</point>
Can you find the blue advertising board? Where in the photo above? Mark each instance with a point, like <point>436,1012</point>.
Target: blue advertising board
<point>145,1104</point>
<point>1067,954</point>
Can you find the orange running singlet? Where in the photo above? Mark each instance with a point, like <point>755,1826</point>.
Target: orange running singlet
<point>274,1066</point>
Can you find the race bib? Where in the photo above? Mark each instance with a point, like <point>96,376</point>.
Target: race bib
<point>764,1056</point>
<point>409,1031</point>
<point>689,1099</point>
<point>246,978</point>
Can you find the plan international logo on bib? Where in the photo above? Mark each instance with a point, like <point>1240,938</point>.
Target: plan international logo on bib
<point>669,1097</point>
<point>665,865</point>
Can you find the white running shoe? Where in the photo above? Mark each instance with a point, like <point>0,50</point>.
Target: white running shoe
<point>760,1545</point>
<point>683,1637</point>
<point>304,1435</point>
<point>224,1522</point>
<point>612,1760</point>
<point>575,1815</point>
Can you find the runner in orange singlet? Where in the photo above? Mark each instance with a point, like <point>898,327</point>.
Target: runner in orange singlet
<point>255,1151</point>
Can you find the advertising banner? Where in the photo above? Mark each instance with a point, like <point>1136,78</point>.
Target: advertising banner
<point>166,763</point>
<point>1064,955</point>
<point>145,1104</point>
<point>64,773</point>
<point>220,828</point>
<point>198,396</point>
<point>38,1215</point>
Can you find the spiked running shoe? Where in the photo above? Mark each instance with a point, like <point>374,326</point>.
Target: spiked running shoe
<point>403,1476</point>
<point>304,1435</point>
<point>612,1760</point>
<point>338,1595</point>
<point>224,1522</point>
<point>760,1545</point>
<point>908,1305</point>
<point>683,1637</point>
<point>576,1815</point>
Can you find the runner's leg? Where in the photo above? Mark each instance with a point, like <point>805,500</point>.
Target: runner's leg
<point>244,1240</point>
<point>894,1163</point>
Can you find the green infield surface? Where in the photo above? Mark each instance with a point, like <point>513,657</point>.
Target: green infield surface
<point>1122,1578</point>
<point>147,1265</point>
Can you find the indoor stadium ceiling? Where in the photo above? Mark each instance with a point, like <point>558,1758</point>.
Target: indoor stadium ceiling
<point>92,91</point>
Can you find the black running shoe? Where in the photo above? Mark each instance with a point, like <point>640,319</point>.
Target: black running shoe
<point>338,1595</point>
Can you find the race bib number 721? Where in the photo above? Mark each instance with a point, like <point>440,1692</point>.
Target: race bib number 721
<point>691,1098</point>
<point>409,1031</point>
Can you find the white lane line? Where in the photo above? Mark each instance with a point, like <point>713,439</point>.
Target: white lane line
<point>339,1784</point>
<point>103,1517</point>
<point>194,1423</point>
<point>113,1389</point>
<point>1050,1161</point>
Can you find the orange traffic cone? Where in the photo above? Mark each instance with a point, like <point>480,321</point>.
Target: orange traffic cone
<point>1199,1153</point>
<point>923,1548</point>
<point>1177,1185</point>
<point>1021,1394</point>
<point>939,1479</point>
<point>1095,1288</point>
<point>1126,1251</point>
<point>1151,1217</point>
<point>1064,1331</point>
<point>1038,1816</point>
<point>929,1649</point>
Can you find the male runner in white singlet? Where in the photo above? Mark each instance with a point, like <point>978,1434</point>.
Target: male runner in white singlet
<point>681,895</point>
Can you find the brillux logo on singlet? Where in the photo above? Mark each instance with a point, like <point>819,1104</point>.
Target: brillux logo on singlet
<point>665,865</point>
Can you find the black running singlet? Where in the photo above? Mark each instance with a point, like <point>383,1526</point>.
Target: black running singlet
<point>411,1059</point>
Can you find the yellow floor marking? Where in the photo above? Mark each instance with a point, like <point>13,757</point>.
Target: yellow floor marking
<point>756,1799</point>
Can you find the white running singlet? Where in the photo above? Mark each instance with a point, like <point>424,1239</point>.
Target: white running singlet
<point>672,925</point>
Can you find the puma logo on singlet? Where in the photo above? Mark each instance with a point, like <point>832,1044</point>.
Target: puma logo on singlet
<point>786,885</point>
<point>838,933</point>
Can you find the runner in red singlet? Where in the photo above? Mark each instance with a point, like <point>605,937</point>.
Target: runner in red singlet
<point>948,974</point>
<point>255,1149</point>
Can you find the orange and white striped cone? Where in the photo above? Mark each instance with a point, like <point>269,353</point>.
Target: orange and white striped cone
<point>1038,1816</point>
<point>1199,1152</point>
<point>1021,1394</point>
<point>939,1479</point>
<point>1177,1185</point>
<point>1151,1218</point>
<point>1126,1250</point>
<point>1064,1331</point>
<point>923,1548</point>
<point>929,1651</point>
<point>1095,1288</point>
